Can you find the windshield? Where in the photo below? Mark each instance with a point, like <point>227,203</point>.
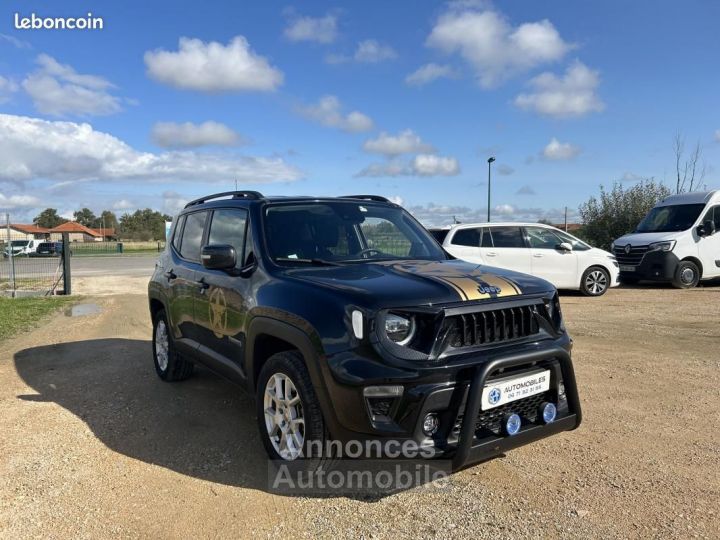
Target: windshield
<point>678,217</point>
<point>340,232</point>
<point>19,243</point>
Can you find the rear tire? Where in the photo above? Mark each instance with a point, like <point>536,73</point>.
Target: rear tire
<point>288,411</point>
<point>169,365</point>
<point>595,281</point>
<point>687,275</point>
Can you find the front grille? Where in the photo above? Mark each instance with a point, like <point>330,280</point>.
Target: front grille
<point>490,421</point>
<point>630,259</point>
<point>494,326</point>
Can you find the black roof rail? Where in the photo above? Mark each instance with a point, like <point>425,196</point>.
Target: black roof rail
<point>377,198</point>
<point>250,195</point>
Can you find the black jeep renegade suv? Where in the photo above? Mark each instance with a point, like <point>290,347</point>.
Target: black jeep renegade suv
<point>348,321</point>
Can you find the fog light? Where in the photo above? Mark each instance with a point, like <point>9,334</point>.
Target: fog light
<point>431,424</point>
<point>561,392</point>
<point>512,424</point>
<point>549,412</point>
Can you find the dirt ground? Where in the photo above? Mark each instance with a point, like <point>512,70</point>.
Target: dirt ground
<point>93,445</point>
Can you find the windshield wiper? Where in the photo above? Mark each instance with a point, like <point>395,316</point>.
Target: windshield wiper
<point>314,261</point>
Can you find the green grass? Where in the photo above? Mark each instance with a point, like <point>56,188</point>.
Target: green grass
<point>20,314</point>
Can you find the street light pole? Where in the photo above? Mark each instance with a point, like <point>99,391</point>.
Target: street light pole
<point>490,160</point>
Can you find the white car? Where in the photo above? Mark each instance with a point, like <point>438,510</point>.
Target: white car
<point>533,248</point>
<point>22,248</point>
<point>677,242</point>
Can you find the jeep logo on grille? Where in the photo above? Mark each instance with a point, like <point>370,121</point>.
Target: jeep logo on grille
<point>628,249</point>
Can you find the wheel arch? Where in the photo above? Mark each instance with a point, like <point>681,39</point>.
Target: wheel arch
<point>590,267</point>
<point>696,262</point>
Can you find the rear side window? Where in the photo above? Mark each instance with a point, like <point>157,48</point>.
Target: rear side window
<point>439,234</point>
<point>192,236</point>
<point>228,227</point>
<point>467,237</point>
<point>507,237</point>
<point>177,234</point>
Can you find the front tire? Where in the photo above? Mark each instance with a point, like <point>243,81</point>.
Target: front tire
<point>687,275</point>
<point>288,411</point>
<point>595,281</point>
<point>169,365</point>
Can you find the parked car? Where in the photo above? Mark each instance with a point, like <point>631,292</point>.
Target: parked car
<point>22,248</point>
<point>677,242</point>
<point>347,322</point>
<point>49,249</point>
<point>534,248</point>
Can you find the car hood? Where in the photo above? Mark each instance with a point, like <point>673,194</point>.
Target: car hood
<point>415,283</point>
<point>643,239</point>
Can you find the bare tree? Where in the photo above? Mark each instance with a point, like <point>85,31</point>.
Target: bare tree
<point>690,171</point>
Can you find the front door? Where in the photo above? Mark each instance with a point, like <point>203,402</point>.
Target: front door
<point>709,246</point>
<point>548,262</point>
<point>505,247</point>
<point>221,301</point>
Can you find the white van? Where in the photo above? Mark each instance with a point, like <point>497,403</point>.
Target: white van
<point>22,248</point>
<point>533,248</point>
<point>676,242</point>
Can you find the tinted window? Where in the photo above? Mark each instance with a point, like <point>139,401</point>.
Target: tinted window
<point>228,227</point>
<point>467,237</point>
<point>487,240</point>
<point>439,234</point>
<point>192,236</point>
<point>713,215</point>
<point>507,237</point>
<point>177,234</point>
<point>384,235</point>
<point>679,217</point>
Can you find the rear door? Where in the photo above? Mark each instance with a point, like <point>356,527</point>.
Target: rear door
<point>183,263</point>
<point>548,262</point>
<point>465,244</point>
<point>504,246</point>
<point>709,246</point>
<point>222,298</point>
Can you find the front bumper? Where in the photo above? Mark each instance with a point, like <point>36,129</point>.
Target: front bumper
<point>654,266</point>
<point>452,392</point>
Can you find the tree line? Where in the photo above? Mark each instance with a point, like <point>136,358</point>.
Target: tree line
<point>141,225</point>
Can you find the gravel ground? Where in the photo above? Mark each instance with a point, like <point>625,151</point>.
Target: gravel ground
<point>94,446</point>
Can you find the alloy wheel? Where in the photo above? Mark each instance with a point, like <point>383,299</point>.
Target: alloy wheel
<point>596,282</point>
<point>162,352</point>
<point>284,419</point>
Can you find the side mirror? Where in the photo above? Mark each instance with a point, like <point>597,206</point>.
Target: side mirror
<point>708,228</point>
<point>564,246</point>
<point>218,257</point>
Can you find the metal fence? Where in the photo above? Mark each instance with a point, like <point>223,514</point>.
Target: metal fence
<point>42,272</point>
<point>97,249</point>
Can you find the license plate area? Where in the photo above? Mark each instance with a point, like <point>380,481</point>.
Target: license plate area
<point>512,388</point>
<point>626,268</point>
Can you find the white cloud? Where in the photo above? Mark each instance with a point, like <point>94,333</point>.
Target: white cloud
<point>69,152</point>
<point>173,202</point>
<point>7,87</point>
<point>555,150</point>
<point>11,202</point>
<point>405,142</point>
<point>435,215</point>
<point>421,165</point>
<point>328,112</point>
<point>572,95</point>
<point>213,67</point>
<point>504,210</point>
<point>432,165</point>
<point>318,29</point>
<point>369,51</point>
<point>429,73</point>
<point>397,199</point>
<point>492,46</point>
<point>123,204</point>
<point>57,89</point>
<point>189,135</point>
<point>15,42</point>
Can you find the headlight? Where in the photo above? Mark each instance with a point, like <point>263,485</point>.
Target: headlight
<point>555,314</point>
<point>399,329</point>
<point>662,246</point>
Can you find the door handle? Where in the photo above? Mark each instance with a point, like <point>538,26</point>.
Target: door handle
<point>491,254</point>
<point>170,275</point>
<point>537,255</point>
<point>202,284</point>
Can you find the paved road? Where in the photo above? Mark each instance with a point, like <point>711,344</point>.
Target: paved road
<point>130,265</point>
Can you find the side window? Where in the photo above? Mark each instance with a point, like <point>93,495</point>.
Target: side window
<point>177,233</point>
<point>508,237</point>
<point>713,215</point>
<point>487,239</point>
<point>192,236</point>
<point>467,237</point>
<point>541,238</point>
<point>228,227</point>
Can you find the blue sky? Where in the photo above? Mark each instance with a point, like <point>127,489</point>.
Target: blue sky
<point>403,99</point>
